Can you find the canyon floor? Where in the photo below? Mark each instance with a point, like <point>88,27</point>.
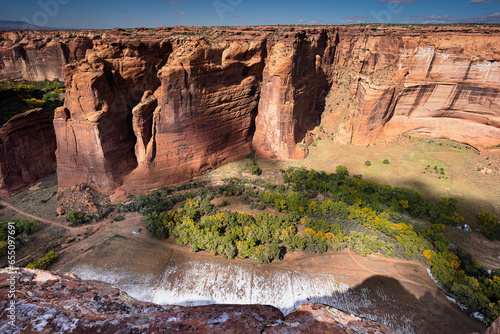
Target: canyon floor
<point>470,176</point>
<point>395,292</point>
<point>404,296</point>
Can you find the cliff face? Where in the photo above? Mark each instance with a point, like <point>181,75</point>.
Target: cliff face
<point>27,146</point>
<point>432,84</point>
<point>295,83</point>
<point>201,115</point>
<point>40,56</point>
<point>148,108</point>
<point>48,302</point>
<point>155,113</point>
<point>95,137</point>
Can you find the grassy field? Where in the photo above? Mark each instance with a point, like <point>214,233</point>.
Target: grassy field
<point>472,178</point>
<point>40,199</point>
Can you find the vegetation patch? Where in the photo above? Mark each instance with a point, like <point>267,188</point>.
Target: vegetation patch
<point>321,212</point>
<point>44,262</point>
<point>23,228</point>
<point>18,97</point>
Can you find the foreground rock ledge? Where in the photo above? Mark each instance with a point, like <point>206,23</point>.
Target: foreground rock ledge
<point>50,302</point>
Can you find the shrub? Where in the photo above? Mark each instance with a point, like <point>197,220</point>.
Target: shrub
<point>342,170</point>
<point>76,217</point>
<point>255,169</point>
<point>223,204</point>
<point>368,163</point>
<point>3,248</point>
<point>43,262</point>
<point>118,218</point>
<point>385,162</point>
<point>485,218</point>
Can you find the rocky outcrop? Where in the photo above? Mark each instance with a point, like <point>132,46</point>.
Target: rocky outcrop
<point>154,113</point>
<point>294,87</point>
<point>95,136</point>
<point>148,108</point>
<point>48,302</point>
<point>27,150</point>
<point>439,84</point>
<point>494,328</point>
<point>204,111</point>
<point>37,56</point>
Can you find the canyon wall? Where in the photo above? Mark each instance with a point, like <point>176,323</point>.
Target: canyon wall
<point>27,146</point>
<point>295,81</point>
<point>147,108</point>
<point>37,56</point>
<point>437,84</point>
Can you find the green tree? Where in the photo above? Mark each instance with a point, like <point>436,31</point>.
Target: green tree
<point>76,217</point>
<point>342,171</point>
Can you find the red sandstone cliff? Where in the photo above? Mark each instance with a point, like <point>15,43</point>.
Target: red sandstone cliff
<point>48,302</point>
<point>147,108</point>
<point>295,83</point>
<point>38,56</point>
<point>27,146</point>
<point>440,84</point>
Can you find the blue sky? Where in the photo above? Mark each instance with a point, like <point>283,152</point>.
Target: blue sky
<point>103,14</point>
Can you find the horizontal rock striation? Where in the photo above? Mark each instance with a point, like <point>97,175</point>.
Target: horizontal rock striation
<point>148,108</point>
<point>36,56</point>
<point>438,84</point>
<point>27,150</point>
<point>48,302</point>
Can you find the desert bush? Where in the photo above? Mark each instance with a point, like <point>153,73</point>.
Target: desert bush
<point>255,169</point>
<point>342,171</point>
<point>44,262</point>
<point>368,163</point>
<point>76,217</point>
<point>485,218</point>
<point>23,228</point>
<point>118,218</point>
<point>386,162</point>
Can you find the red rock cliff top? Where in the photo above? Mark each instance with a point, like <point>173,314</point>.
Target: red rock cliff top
<point>48,302</point>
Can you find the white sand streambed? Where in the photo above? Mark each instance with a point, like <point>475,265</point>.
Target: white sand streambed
<point>167,274</point>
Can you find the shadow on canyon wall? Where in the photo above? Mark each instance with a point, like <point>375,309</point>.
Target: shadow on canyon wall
<point>384,300</point>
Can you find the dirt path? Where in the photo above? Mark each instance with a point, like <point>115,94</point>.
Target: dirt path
<point>43,220</point>
<point>87,230</point>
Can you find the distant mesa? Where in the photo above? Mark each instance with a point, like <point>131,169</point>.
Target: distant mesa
<point>20,25</point>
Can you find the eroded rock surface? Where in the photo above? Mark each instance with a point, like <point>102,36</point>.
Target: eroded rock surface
<point>27,150</point>
<point>48,302</point>
<point>438,84</point>
<point>147,108</point>
<point>37,56</point>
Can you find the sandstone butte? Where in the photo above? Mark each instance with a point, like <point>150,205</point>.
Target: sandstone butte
<point>52,302</point>
<point>148,108</point>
